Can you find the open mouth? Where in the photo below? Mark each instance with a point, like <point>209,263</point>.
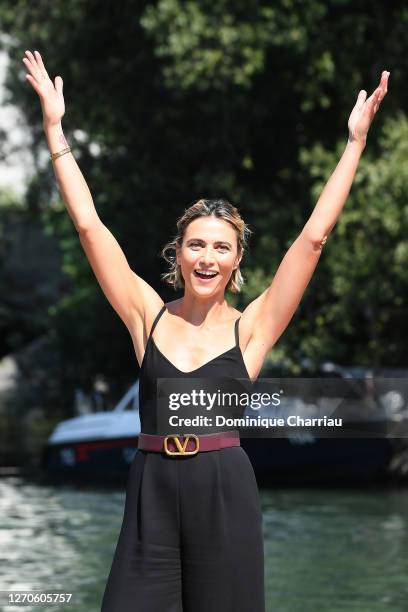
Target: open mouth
<point>205,275</point>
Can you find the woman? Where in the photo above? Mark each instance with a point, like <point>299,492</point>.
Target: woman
<point>191,537</point>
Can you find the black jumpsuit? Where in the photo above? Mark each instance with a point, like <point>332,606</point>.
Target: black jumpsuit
<point>191,538</point>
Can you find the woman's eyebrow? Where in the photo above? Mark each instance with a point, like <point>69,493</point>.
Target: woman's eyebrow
<point>216,242</point>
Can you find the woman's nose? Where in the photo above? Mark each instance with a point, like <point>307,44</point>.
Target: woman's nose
<point>208,255</point>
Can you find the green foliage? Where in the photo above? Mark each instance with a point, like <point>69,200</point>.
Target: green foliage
<point>366,258</point>
<point>210,46</point>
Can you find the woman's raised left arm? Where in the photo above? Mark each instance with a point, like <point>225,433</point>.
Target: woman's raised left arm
<point>271,312</point>
<point>335,193</point>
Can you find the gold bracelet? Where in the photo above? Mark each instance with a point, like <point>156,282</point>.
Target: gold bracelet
<point>59,153</point>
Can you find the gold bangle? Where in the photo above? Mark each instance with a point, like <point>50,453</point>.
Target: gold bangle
<point>59,153</point>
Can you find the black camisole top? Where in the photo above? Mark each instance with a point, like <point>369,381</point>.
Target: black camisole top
<point>229,365</point>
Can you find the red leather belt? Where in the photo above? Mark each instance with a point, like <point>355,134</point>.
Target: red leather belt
<point>187,444</point>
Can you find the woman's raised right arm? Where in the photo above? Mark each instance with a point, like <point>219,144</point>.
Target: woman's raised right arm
<point>127,292</point>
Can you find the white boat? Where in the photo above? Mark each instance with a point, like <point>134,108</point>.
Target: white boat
<point>98,444</point>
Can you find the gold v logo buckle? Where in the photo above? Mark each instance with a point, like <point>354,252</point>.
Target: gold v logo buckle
<point>181,447</point>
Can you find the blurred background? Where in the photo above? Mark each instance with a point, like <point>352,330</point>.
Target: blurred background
<point>168,102</point>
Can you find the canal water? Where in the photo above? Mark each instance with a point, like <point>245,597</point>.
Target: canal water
<point>326,549</point>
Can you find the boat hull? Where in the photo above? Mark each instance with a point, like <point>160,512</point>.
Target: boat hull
<point>105,460</point>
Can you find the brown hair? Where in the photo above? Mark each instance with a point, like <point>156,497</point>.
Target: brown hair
<point>222,209</point>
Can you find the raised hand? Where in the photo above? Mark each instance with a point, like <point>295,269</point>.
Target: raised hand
<point>50,94</point>
<point>364,111</point>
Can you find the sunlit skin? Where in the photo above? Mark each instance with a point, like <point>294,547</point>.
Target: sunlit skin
<point>209,244</point>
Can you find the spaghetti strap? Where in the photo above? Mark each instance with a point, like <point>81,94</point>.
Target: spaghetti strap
<point>236,332</point>
<point>159,314</point>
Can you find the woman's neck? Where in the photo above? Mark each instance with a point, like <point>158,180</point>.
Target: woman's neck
<point>202,312</point>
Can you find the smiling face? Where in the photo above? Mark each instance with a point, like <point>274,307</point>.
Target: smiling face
<point>210,245</point>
